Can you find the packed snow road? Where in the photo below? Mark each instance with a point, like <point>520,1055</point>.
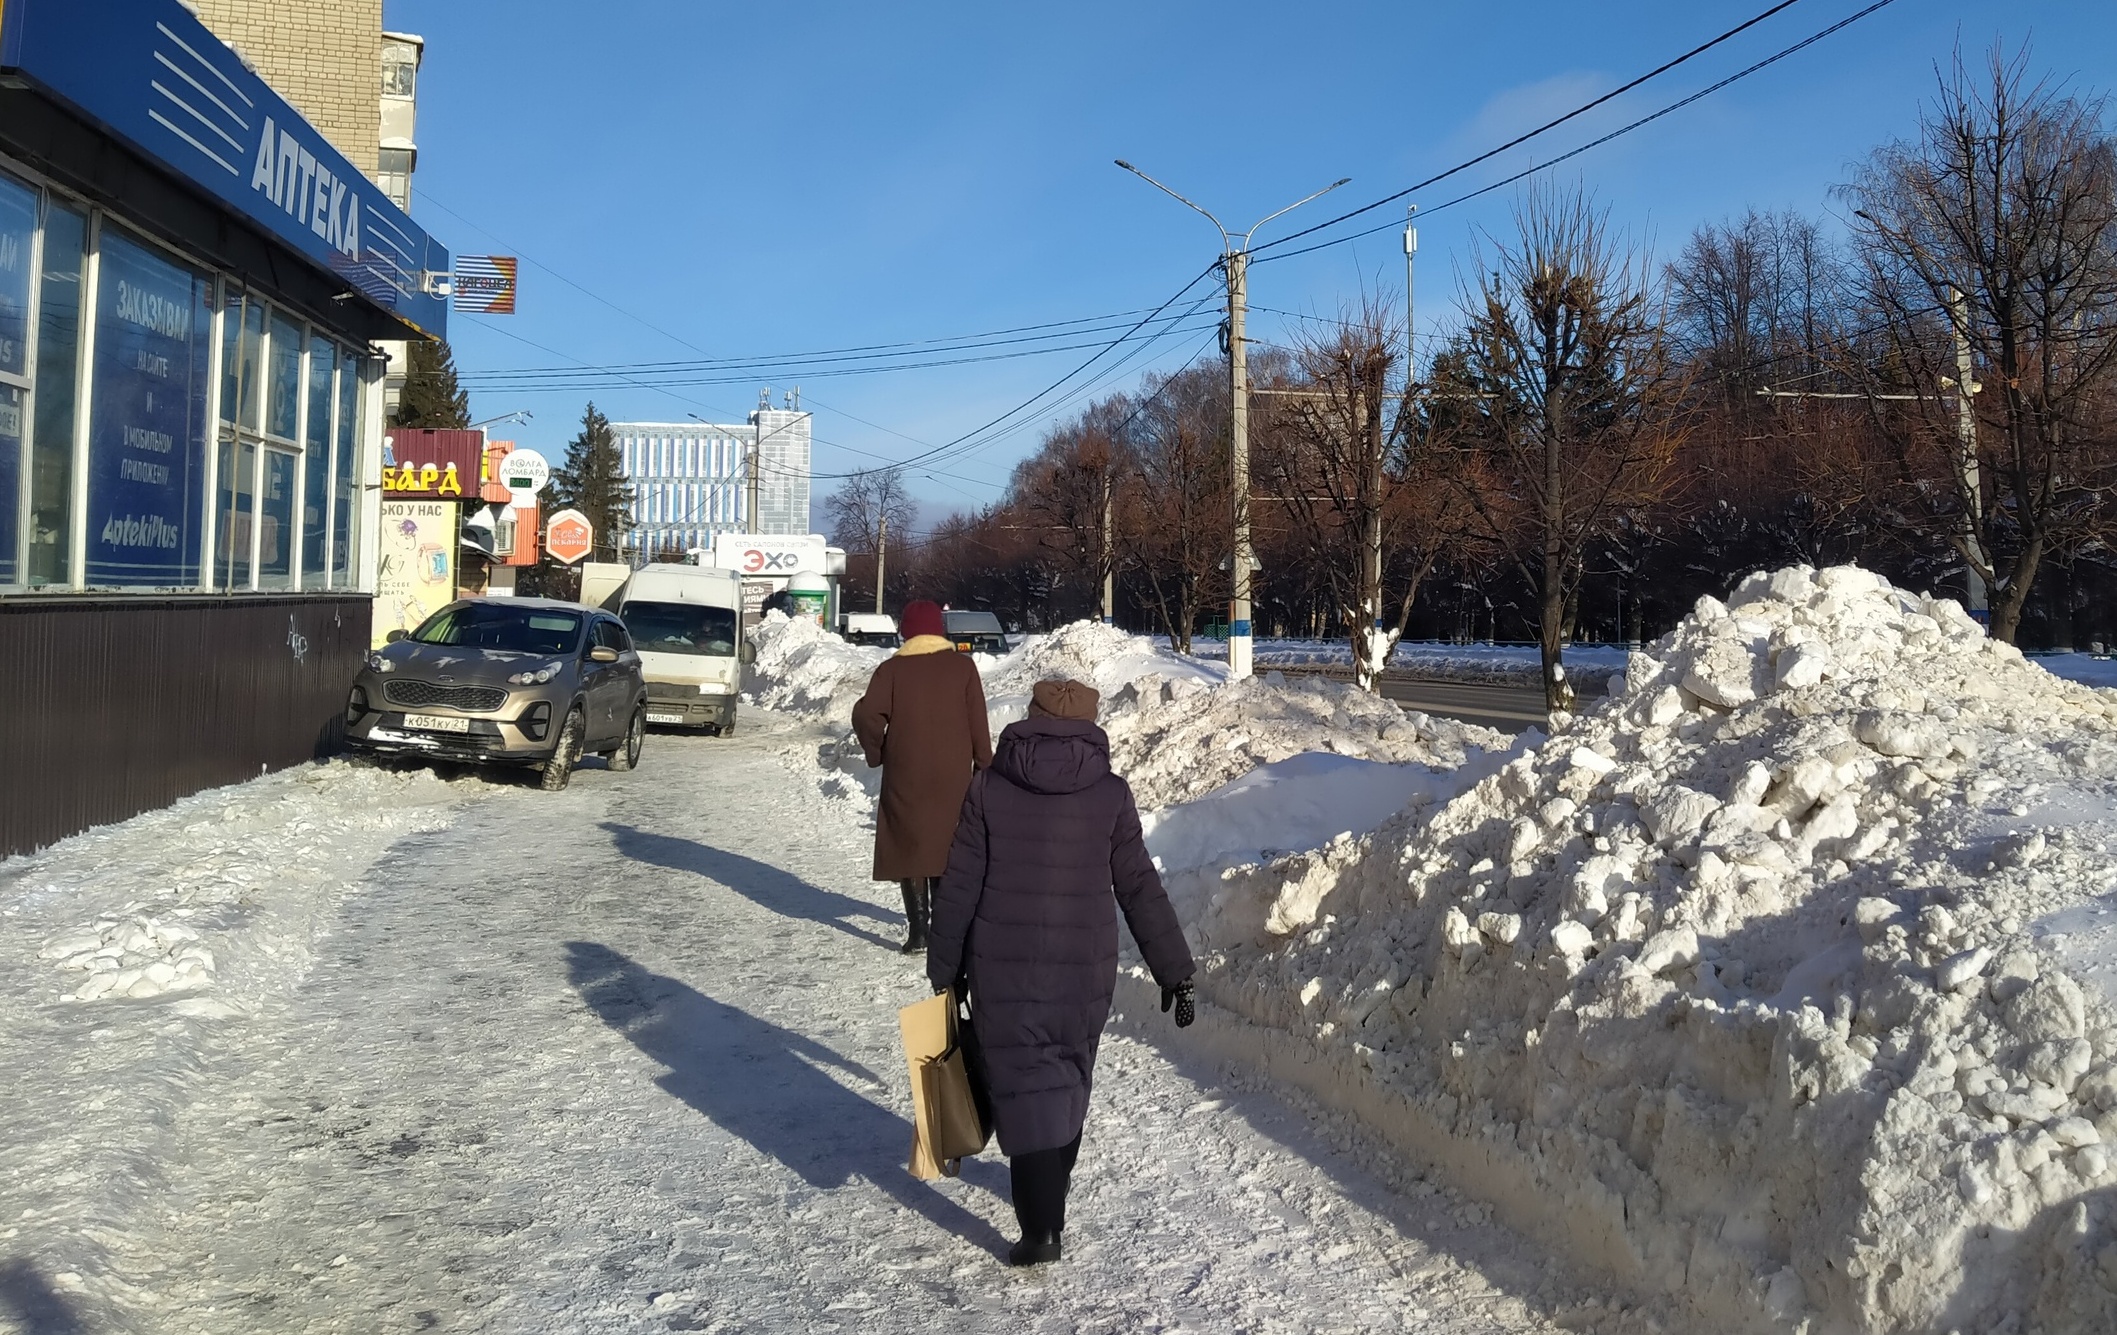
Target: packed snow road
<point>625,1059</point>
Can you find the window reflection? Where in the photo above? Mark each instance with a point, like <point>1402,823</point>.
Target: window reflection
<point>51,451</point>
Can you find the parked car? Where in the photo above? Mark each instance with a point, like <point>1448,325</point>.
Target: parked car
<point>870,628</point>
<point>505,681</point>
<point>975,632</point>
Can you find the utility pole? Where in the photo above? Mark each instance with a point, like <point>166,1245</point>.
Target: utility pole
<point>1109,552</point>
<point>1239,642</point>
<point>1966,457</point>
<point>756,450</point>
<point>881,551</point>
<point>1235,261</point>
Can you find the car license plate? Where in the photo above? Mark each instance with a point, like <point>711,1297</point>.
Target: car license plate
<point>437,722</point>
<point>665,718</point>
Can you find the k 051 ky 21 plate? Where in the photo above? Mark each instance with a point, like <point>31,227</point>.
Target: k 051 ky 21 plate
<point>437,722</point>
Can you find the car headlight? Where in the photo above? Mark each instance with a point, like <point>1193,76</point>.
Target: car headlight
<point>535,678</point>
<point>377,663</point>
<point>714,688</point>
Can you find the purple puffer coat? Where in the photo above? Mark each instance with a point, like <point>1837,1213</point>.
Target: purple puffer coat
<point>1047,834</point>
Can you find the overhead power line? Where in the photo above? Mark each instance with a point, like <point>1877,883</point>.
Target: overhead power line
<point>590,378</point>
<point>995,338</point>
<point>1677,105</point>
<point>1521,139</point>
<point>969,440</point>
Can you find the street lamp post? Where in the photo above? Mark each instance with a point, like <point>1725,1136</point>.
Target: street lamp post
<point>1235,260</point>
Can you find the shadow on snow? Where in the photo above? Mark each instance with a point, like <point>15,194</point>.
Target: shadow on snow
<point>766,1084</point>
<point>762,884</point>
<point>35,1306</point>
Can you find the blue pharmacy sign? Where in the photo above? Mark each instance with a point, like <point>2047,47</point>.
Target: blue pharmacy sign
<point>152,75</point>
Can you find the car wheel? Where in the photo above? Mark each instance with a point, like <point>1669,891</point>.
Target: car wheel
<point>559,768</point>
<point>628,755</point>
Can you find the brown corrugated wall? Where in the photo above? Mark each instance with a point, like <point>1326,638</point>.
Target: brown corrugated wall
<point>114,706</point>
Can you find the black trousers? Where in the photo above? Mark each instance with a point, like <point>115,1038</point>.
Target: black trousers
<point>1041,1179</point>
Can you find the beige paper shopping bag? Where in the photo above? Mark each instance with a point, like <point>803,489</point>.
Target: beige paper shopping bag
<point>946,1126</point>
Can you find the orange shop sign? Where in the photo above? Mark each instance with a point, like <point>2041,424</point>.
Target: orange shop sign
<point>569,537</point>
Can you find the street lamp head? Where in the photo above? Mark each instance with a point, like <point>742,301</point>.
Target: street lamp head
<point>1343,180</point>
<point>1126,165</point>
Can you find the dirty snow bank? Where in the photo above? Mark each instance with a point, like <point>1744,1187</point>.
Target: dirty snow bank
<point>1758,985</point>
<point>248,874</point>
<point>130,954</point>
<point>1178,728</point>
<point>1588,666</point>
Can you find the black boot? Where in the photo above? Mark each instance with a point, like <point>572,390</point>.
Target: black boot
<point>918,906</point>
<point>1041,1180</point>
<point>1035,1249</point>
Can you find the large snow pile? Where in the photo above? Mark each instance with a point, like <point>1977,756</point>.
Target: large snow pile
<point>1302,802</point>
<point>1178,728</point>
<point>1745,986</point>
<point>805,670</point>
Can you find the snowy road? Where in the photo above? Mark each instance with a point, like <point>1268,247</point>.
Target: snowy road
<point>625,1059</point>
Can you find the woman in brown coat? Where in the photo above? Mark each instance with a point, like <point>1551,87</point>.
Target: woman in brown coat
<point>923,721</point>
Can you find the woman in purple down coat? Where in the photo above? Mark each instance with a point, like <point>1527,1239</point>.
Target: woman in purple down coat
<point>1025,915</point>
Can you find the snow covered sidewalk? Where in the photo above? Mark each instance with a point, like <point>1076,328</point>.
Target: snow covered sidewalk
<point>625,1059</point>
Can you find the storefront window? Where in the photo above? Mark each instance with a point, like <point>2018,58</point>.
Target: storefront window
<point>316,467</point>
<point>345,533</point>
<point>18,235</point>
<point>275,547</point>
<point>147,421</point>
<point>284,420</point>
<point>249,366</point>
<point>51,444</point>
<point>238,504</point>
<point>231,350</point>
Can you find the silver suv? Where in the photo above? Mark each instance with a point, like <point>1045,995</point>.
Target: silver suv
<point>523,681</point>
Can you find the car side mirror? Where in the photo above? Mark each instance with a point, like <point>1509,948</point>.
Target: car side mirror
<point>393,636</point>
<point>602,653</point>
<point>747,654</point>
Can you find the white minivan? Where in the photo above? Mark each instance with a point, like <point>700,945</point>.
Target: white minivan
<point>686,622</point>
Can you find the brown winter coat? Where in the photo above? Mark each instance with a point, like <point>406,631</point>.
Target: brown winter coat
<point>923,721</point>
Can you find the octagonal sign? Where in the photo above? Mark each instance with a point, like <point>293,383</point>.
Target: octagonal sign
<point>570,536</point>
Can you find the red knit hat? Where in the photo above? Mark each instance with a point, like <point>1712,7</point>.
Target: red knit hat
<point>921,618</point>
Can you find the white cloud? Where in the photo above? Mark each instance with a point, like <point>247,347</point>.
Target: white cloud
<point>1518,110</point>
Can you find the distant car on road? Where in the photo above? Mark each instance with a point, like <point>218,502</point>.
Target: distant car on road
<point>873,629</point>
<point>975,632</point>
<point>511,681</point>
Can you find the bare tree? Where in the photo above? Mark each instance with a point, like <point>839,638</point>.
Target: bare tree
<point>1353,470</point>
<point>866,513</point>
<point>1066,493</point>
<point>1557,397</point>
<point>1174,519</point>
<point>1996,230</point>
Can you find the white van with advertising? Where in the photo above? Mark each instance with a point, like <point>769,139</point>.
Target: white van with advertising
<point>686,623</point>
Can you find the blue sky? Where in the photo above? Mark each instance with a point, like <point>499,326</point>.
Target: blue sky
<point>690,180</point>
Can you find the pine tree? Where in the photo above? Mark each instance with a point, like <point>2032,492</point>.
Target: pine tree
<point>431,397</point>
<point>592,480</point>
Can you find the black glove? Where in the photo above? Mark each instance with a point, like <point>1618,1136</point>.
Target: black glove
<point>1180,996</point>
